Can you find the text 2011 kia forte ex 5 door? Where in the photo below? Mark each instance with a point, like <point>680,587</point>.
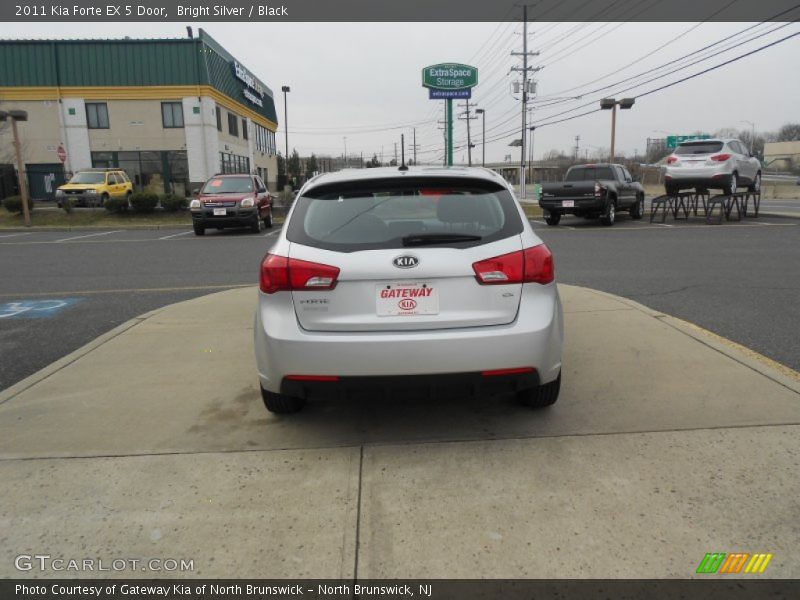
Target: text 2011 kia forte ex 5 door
<point>426,280</point>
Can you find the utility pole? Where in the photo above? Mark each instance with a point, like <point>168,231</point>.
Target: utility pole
<point>19,115</point>
<point>395,153</point>
<point>415,146</point>
<point>466,116</point>
<point>577,147</point>
<point>482,112</point>
<point>345,151</point>
<point>524,70</point>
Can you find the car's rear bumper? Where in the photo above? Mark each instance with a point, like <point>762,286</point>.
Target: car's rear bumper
<point>440,386</point>
<point>581,205</point>
<point>712,177</point>
<point>534,340</point>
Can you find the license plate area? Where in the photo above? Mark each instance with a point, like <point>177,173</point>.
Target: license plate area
<point>568,204</point>
<point>406,299</point>
<point>220,212</point>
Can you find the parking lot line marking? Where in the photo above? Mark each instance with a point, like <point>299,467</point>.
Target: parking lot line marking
<point>537,221</point>
<point>8,235</point>
<point>77,237</point>
<point>174,235</point>
<point>187,288</point>
<point>272,233</point>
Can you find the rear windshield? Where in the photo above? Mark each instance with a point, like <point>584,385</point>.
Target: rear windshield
<point>228,185</point>
<point>589,174</point>
<point>699,148</point>
<point>389,213</point>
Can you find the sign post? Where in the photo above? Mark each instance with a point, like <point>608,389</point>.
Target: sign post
<point>446,81</point>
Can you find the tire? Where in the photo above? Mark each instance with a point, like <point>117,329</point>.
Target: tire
<point>103,199</point>
<point>637,210</point>
<point>268,219</point>
<point>671,190</point>
<point>199,229</point>
<point>280,404</point>
<point>611,213</point>
<point>730,188</point>
<point>553,218</point>
<point>128,198</point>
<point>756,185</point>
<point>539,397</point>
<point>256,226</point>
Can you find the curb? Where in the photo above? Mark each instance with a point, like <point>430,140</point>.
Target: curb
<point>64,361</point>
<point>771,369</point>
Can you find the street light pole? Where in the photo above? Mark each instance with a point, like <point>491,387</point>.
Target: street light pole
<point>345,151</point>
<point>19,115</point>
<point>286,89</point>
<point>752,135</point>
<point>612,103</point>
<point>482,112</point>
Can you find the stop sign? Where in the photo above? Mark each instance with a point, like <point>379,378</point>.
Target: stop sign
<point>62,154</point>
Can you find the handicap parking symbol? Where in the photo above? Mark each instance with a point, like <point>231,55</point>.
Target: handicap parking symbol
<point>35,309</point>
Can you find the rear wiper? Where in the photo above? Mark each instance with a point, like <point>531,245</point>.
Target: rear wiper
<point>424,239</point>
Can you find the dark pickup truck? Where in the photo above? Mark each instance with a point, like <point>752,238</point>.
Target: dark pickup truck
<point>598,190</point>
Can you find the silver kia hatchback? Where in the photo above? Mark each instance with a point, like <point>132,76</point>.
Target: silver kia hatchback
<point>723,164</point>
<point>407,281</point>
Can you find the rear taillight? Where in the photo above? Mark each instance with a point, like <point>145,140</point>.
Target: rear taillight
<point>672,159</point>
<point>720,157</point>
<point>533,265</point>
<point>279,274</point>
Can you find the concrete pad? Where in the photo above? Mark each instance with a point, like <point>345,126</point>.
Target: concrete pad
<point>183,380</point>
<point>255,514</point>
<point>617,506</point>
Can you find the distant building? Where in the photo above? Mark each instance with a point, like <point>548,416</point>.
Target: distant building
<point>170,112</point>
<point>782,156</point>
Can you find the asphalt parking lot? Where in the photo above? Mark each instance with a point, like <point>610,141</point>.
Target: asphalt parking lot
<point>61,289</point>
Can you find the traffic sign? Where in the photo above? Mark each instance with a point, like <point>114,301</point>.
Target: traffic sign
<point>449,76</point>
<point>445,94</point>
<point>62,154</point>
<point>674,140</point>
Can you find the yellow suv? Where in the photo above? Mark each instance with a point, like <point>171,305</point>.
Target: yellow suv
<point>92,187</point>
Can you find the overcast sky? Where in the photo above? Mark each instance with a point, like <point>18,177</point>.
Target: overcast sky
<point>350,77</point>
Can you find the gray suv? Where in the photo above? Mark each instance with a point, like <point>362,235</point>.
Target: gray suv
<point>718,164</point>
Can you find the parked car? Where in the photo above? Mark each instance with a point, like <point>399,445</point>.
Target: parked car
<point>407,280</point>
<point>593,190</point>
<point>232,201</point>
<point>92,187</point>
<point>719,164</point>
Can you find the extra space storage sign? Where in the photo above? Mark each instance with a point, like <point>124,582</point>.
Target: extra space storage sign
<point>449,80</point>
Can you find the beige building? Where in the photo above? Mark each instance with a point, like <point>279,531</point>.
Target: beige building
<point>782,156</point>
<point>171,113</point>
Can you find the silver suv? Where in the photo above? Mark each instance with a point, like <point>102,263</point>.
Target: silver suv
<point>407,280</point>
<point>720,164</point>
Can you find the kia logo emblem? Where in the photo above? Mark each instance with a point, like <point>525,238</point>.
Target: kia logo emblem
<point>405,262</point>
<point>407,304</point>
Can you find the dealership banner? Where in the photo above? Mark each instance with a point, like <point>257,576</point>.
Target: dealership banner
<point>189,11</point>
<point>395,589</point>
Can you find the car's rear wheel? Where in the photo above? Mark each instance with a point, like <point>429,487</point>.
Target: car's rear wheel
<point>199,229</point>
<point>611,214</point>
<point>553,218</point>
<point>732,186</point>
<point>256,226</point>
<point>637,210</point>
<point>280,404</point>
<point>756,185</point>
<point>128,198</point>
<point>103,199</point>
<point>543,395</point>
<point>268,219</point>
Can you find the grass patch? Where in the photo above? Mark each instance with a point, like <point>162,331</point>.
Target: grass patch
<point>531,210</point>
<point>94,218</point>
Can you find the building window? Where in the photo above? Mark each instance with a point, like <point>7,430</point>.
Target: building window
<point>244,129</point>
<point>219,118</point>
<point>97,115</point>
<point>172,115</point>
<point>231,163</point>
<point>233,125</point>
